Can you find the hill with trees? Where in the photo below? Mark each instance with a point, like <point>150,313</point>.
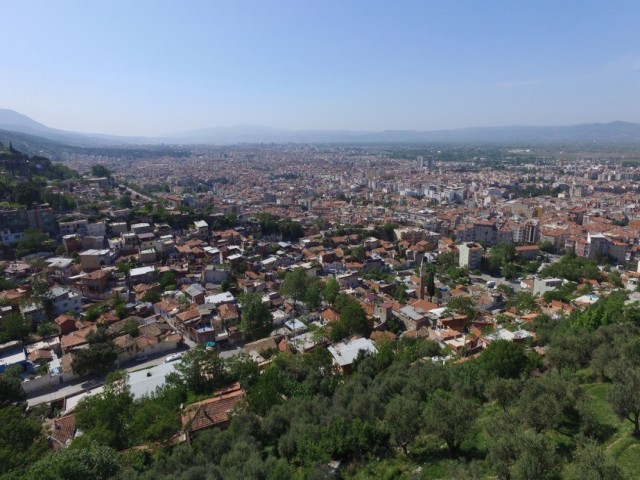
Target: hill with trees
<point>402,413</point>
<point>25,177</point>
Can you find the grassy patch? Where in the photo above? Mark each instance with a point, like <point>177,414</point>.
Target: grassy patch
<point>597,393</point>
<point>622,446</point>
<point>193,398</point>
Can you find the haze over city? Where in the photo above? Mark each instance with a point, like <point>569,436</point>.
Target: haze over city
<point>153,68</point>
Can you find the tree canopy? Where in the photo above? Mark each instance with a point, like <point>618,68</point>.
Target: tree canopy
<point>504,359</point>
<point>256,319</point>
<point>98,358</point>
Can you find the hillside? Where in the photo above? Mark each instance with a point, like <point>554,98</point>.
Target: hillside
<point>25,177</point>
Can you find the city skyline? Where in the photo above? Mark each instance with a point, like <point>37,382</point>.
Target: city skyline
<point>153,68</point>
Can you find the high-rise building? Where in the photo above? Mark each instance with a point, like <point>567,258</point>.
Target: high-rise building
<point>470,255</point>
<point>420,162</point>
<point>430,163</point>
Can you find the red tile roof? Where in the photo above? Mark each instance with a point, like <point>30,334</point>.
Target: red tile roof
<point>62,431</point>
<point>213,411</point>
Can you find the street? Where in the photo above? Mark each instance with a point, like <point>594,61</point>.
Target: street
<point>76,386</point>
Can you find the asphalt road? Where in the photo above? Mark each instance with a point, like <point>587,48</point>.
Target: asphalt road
<point>75,387</point>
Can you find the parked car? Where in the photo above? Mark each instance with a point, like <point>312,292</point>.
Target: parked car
<point>91,384</point>
<point>173,358</point>
<point>141,358</point>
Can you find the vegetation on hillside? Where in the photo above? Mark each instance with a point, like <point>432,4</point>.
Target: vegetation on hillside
<point>399,415</point>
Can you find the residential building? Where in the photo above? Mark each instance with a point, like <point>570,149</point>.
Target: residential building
<point>470,255</point>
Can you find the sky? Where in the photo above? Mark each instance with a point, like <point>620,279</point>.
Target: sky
<point>151,67</point>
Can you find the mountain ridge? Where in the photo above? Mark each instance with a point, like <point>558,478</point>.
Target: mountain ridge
<point>612,132</point>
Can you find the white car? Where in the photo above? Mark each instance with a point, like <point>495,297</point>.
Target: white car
<point>173,358</point>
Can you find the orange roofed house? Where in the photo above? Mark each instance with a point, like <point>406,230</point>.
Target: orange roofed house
<point>213,412</point>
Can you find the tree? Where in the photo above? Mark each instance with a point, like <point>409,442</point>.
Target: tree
<point>590,462</point>
<point>120,310</point>
<point>605,311</point>
<point>570,349</point>
<point>153,420</point>
<point>33,241</point>
<point>331,290</point>
<point>504,391</point>
<point>506,289</point>
<point>510,270</point>
<point>290,229</point>
<point>394,325</point>
<point>614,278</point>
<point>564,292</point>
<point>98,358</point>
<point>450,417</point>
<point>14,327</point>
<point>518,454</point>
<point>400,423</point>
<point>571,267</point>
<point>124,267</point>
<point>26,194</point>
<point>256,320</point>
<point>104,417</point>
<point>353,321</point>
<point>151,296</point>
<point>167,279</point>
<point>20,440</point>
<point>11,392</point>
<point>6,284</point>
<point>537,458</point>
<point>545,401</point>
<point>540,408</point>
<point>462,305</point>
<point>46,329</point>
<point>125,201</point>
<point>500,259</point>
<point>523,302</point>
<point>400,294</point>
<point>313,294</point>
<point>244,370</point>
<point>201,370</point>
<point>547,246</point>
<point>624,396</point>
<point>94,461</point>
<point>504,359</point>
<point>99,170</point>
<point>131,327</point>
<point>431,283</point>
<point>268,225</point>
<point>294,285</point>
<point>92,313</point>
<point>116,300</point>
<point>358,254</point>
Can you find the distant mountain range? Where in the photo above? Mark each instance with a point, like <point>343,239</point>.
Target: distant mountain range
<point>12,122</point>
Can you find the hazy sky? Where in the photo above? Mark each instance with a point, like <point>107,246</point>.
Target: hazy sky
<point>150,67</point>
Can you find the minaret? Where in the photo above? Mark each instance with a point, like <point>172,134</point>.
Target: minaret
<point>423,271</point>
